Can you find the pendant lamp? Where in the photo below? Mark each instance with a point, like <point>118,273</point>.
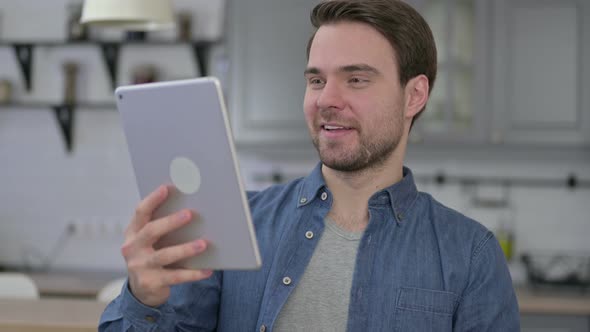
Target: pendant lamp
<point>136,15</point>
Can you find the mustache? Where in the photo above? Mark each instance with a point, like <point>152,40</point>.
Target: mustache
<point>335,116</point>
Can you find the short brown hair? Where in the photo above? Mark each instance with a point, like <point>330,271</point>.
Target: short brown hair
<point>405,29</point>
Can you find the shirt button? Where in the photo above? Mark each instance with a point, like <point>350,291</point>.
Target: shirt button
<point>303,200</point>
<point>286,281</point>
<point>150,319</point>
<point>262,328</point>
<point>309,235</point>
<point>324,196</point>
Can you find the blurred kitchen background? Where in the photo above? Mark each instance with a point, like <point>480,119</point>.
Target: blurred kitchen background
<point>505,138</point>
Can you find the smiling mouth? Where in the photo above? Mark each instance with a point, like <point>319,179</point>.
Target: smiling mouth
<point>334,128</point>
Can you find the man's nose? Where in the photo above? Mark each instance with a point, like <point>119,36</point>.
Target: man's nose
<point>330,97</point>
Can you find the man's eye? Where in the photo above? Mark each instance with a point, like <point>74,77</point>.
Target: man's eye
<point>315,81</point>
<point>358,82</point>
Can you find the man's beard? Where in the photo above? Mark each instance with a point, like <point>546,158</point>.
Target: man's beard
<point>367,155</point>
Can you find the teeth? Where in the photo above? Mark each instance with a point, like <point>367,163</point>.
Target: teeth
<point>332,127</point>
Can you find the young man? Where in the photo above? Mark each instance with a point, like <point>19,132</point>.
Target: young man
<point>353,246</point>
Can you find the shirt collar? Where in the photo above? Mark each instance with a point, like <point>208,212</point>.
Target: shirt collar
<point>402,194</point>
<point>311,185</point>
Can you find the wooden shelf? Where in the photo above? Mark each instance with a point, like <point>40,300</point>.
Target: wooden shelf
<point>23,50</point>
<point>58,43</point>
<point>50,105</point>
<point>64,113</point>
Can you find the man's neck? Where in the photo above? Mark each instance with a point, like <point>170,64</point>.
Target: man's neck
<point>351,191</point>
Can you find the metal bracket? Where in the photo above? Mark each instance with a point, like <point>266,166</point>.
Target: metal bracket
<point>24,55</point>
<point>110,53</point>
<point>200,51</point>
<point>65,118</point>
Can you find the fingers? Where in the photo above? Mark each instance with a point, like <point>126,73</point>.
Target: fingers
<point>169,255</point>
<point>152,288</point>
<point>149,280</point>
<point>145,209</point>
<point>154,230</point>
<point>179,276</point>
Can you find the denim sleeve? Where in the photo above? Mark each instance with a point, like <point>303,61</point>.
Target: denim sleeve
<point>489,302</point>
<point>191,307</point>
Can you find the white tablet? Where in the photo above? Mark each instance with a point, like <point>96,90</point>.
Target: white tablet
<point>178,133</point>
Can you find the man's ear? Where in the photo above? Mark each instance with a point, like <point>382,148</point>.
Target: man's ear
<point>416,91</point>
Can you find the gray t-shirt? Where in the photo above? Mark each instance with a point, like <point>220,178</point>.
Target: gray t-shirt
<point>320,300</point>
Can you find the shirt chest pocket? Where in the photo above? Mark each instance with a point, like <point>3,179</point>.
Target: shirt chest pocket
<point>424,310</point>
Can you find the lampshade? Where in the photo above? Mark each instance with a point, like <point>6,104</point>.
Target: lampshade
<point>137,15</point>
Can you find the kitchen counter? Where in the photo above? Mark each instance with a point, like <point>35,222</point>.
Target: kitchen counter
<point>530,300</point>
<point>49,315</point>
<point>554,301</point>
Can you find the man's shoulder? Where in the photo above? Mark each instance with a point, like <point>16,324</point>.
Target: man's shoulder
<point>452,224</point>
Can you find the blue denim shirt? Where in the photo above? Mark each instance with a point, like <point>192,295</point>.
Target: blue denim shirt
<point>420,267</point>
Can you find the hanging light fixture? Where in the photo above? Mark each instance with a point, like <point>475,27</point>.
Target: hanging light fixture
<point>136,15</point>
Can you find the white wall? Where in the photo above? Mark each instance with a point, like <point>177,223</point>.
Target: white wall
<point>43,189</point>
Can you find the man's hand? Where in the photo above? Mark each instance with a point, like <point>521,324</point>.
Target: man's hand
<point>149,280</point>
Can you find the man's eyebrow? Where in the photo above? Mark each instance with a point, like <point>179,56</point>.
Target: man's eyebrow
<point>346,69</point>
<point>312,71</point>
<point>359,67</point>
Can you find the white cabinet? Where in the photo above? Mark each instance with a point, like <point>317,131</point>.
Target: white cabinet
<point>457,109</point>
<point>267,40</point>
<point>541,84</point>
<point>267,44</point>
<point>510,71</point>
